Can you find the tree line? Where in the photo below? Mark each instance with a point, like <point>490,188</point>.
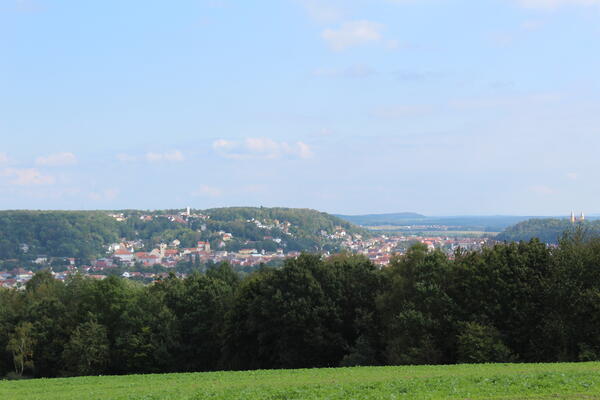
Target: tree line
<point>513,302</point>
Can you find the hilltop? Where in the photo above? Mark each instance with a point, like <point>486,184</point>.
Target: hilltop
<point>88,234</point>
<point>547,230</point>
<point>492,223</point>
<point>382,219</point>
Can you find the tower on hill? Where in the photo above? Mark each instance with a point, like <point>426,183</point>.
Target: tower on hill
<point>575,219</point>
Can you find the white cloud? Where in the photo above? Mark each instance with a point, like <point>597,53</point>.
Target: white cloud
<point>261,148</point>
<point>27,177</point>
<point>224,145</point>
<point>553,4</point>
<point>152,157</point>
<point>57,160</point>
<point>174,156</point>
<point>353,33</point>
<point>208,191</point>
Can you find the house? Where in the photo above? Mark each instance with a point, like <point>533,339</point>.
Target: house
<point>124,255</point>
<point>203,246</point>
<point>247,252</point>
<point>147,259</point>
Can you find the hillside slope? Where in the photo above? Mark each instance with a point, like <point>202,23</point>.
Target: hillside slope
<point>547,230</point>
<point>85,234</point>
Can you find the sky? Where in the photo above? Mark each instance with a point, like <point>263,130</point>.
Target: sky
<point>442,107</point>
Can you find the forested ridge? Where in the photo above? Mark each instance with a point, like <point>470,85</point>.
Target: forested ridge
<point>523,302</point>
<point>547,230</point>
<point>86,234</point>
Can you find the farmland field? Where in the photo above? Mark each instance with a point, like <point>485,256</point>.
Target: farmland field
<point>497,381</point>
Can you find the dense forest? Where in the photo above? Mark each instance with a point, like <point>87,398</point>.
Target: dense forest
<point>547,230</point>
<point>524,302</point>
<point>86,234</point>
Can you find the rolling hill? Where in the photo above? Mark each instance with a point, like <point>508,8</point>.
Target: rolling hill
<point>86,234</point>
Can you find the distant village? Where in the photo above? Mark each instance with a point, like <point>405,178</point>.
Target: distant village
<point>131,260</point>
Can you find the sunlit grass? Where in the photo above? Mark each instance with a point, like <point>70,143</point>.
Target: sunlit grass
<point>497,381</point>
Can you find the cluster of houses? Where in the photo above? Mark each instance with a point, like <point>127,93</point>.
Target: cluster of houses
<point>131,255</point>
<point>380,249</point>
<point>169,256</point>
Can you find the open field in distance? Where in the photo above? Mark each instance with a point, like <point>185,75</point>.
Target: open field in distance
<point>449,233</point>
<point>483,381</point>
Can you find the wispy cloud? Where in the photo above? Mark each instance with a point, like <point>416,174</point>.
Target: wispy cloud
<point>208,191</point>
<point>504,102</point>
<point>27,177</point>
<point>573,176</point>
<point>105,195</point>
<point>352,34</point>
<point>322,10</point>
<point>553,4</point>
<point>57,160</point>
<point>401,111</point>
<point>173,156</point>
<point>153,157</point>
<point>261,148</point>
<point>355,71</point>
<point>3,158</point>
<point>126,157</point>
<point>542,190</point>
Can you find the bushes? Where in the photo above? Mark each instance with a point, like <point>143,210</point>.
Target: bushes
<point>478,343</point>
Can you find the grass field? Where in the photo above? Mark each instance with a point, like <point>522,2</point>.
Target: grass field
<point>490,381</point>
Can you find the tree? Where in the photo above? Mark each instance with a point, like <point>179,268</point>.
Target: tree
<point>417,311</point>
<point>87,352</point>
<point>21,345</point>
<point>285,319</point>
<point>481,344</point>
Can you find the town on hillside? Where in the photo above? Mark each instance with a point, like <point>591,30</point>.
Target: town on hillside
<point>131,259</point>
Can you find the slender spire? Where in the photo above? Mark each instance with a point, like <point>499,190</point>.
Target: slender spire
<point>572,217</point>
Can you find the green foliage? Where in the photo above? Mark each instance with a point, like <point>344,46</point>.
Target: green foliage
<point>524,301</point>
<point>547,230</point>
<point>481,344</point>
<point>78,234</point>
<point>21,345</point>
<point>87,352</point>
<point>417,310</point>
<point>86,234</point>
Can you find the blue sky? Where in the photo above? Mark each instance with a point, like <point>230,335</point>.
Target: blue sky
<point>357,106</point>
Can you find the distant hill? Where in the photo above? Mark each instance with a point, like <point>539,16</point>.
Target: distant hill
<point>86,234</point>
<point>548,230</point>
<point>494,223</point>
<point>382,219</point>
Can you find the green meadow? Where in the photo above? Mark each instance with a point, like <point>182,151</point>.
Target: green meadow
<point>482,381</point>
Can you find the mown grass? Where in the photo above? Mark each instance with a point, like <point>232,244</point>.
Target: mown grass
<point>490,381</point>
